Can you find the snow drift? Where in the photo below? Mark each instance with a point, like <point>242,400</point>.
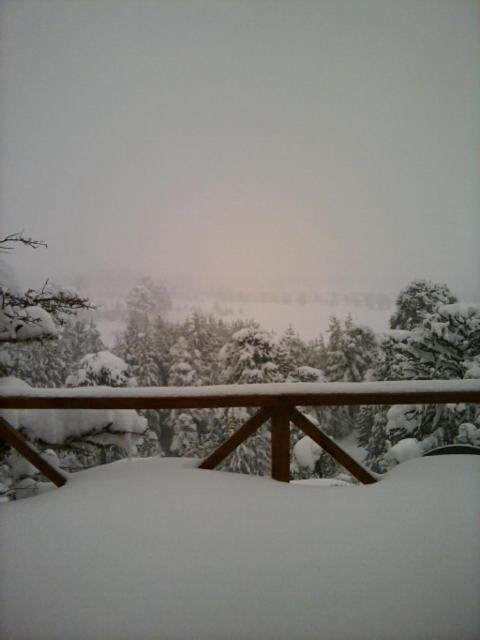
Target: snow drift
<point>156,548</point>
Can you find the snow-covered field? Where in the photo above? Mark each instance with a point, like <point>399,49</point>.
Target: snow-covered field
<point>309,320</point>
<point>156,548</point>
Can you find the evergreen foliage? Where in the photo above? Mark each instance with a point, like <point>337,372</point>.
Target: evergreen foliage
<point>417,301</point>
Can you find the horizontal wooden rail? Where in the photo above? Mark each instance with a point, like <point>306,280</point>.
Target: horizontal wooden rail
<point>256,395</point>
<point>277,402</point>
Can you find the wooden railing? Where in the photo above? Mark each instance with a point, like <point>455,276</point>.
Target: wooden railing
<point>278,403</point>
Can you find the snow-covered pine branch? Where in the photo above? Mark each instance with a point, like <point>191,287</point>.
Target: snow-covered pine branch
<point>34,314</point>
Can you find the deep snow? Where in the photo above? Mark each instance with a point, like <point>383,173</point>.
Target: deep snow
<point>156,548</point>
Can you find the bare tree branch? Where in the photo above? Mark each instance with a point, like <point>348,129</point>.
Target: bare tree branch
<point>8,242</point>
<point>17,310</point>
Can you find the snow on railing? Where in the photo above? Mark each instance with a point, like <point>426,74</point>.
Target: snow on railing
<point>245,395</point>
<point>277,403</point>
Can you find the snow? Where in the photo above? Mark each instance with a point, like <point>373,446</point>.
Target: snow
<point>402,417</point>
<point>399,335</point>
<point>473,368</point>
<point>98,365</point>
<point>460,310</point>
<point>405,449</point>
<point>56,425</point>
<point>469,433</point>
<point>29,323</point>
<point>311,373</point>
<point>307,453</point>
<point>310,320</point>
<point>157,548</point>
<point>270,389</point>
<point>109,330</point>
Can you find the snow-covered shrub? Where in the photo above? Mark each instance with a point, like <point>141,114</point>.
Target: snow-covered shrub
<point>417,301</point>
<point>468,433</point>
<point>100,369</point>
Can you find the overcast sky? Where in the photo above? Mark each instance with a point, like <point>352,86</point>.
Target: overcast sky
<point>336,140</point>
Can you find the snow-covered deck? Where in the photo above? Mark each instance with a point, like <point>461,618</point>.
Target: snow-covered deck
<point>156,548</point>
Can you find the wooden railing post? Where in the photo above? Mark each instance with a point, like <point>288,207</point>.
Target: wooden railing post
<point>280,440</point>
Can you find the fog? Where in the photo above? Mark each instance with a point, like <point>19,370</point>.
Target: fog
<point>335,143</point>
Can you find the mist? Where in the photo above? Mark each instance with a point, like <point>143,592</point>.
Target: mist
<point>332,144</point>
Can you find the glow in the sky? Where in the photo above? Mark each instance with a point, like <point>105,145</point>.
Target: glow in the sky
<point>331,139</point>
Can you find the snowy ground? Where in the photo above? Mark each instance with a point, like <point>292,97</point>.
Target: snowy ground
<point>156,548</point>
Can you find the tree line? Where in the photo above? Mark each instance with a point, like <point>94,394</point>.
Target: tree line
<point>431,336</point>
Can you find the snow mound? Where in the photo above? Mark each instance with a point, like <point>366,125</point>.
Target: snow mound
<point>156,548</point>
<point>55,426</point>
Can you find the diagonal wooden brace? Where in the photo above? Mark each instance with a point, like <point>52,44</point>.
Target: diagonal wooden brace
<point>18,442</point>
<point>357,470</point>
<point>250,426</point>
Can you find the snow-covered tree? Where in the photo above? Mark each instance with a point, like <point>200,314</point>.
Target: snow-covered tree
<point>205,336</point>
<point>100,369</point>
<point>350,352</point>
<point>446,345</point>
<point>148,296</point>
<point>187,427</point>
<point>292,354</point>
<point>417,301</point>
<point>32,314</point>
<point>182,370</point>
<point>350,356</point>
<point>393,361</point>
<point>250,356</point>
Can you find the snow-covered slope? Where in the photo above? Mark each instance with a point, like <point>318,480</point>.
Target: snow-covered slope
<point>156,548</point>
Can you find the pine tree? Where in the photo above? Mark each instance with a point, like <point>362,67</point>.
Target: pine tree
<point>292,354</point>
<point>100,369</point>
<point>351,354</point>
<point>418,300</point>
<point>47,363</point>
<point>186,427</point>
<point>444,346</point>
<point>249,357</point>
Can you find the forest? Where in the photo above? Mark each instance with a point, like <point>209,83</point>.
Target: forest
<point>431,336</point>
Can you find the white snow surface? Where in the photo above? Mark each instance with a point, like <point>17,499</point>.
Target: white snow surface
<point>270,389</point>
<point>307,452</point>
<point>460,309</point>
<point>156,548</point>
<point>405,449</point>
<point>56,425</point>
<point>31,322</point>
<point>98,364</point>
